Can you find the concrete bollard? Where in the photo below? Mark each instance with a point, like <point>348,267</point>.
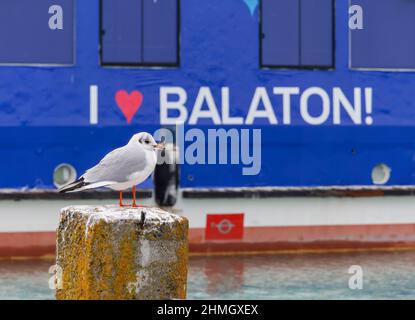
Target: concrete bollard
<point>108,252</point>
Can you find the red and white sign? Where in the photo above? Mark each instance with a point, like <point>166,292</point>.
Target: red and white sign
<point>224,226</point>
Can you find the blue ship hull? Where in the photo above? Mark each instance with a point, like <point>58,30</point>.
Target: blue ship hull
<point>45,111</point>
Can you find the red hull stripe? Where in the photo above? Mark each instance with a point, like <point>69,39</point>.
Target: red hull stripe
<point>27,244</point>
<point>255,239</point>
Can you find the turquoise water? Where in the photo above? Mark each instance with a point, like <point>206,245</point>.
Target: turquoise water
<point>386,275</point>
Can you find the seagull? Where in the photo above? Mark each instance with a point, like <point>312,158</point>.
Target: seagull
<point>122,168</point>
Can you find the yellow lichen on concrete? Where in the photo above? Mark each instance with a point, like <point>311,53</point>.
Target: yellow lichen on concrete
<point>106,252</point>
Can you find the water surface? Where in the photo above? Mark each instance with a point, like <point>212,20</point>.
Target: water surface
<point>386,275</point>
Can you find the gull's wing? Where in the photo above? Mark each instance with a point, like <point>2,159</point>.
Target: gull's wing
<point>117,165</point>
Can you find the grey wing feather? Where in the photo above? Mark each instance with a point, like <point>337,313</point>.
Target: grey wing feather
<point>117,166</point>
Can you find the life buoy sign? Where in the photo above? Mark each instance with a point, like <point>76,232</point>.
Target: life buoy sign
<point>224,226</point>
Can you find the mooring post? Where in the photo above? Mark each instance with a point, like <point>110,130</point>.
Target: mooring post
<point>108,252</point>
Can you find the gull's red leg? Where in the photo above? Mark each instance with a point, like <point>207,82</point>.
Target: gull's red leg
<point>121,204</point>
<point>134,197</point>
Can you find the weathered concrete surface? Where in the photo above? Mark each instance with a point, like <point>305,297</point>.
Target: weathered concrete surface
<point>108,252</point>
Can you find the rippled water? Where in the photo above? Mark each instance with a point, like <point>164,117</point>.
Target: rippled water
<point>386,275</point>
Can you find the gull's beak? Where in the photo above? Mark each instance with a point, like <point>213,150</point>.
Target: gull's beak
<point>159,146</point>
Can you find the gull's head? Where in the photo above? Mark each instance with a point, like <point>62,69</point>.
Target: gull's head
<point>147,141</point>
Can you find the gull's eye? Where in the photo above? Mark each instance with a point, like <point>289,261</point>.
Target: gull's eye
<point>147,141</point>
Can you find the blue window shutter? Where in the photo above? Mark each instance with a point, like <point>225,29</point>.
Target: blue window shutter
<point>160,31</point>
<point>121,31</point>
<point>387,39</point>
<point>280,33</point>
<point>316,33</point>
<point>25,35</point>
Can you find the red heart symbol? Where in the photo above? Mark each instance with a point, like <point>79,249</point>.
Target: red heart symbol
<point>129,103</point>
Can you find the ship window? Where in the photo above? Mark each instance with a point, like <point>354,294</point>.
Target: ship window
<point>297,33</point>
<point>37,32</point>
<point>139,32</point>
<point>387,37</point>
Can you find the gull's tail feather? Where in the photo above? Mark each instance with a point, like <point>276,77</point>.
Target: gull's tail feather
<point>94,185</point>
<point>73,186</point>
<point>80,185</point>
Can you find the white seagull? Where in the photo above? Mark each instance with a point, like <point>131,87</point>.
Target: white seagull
<point>122,168</point>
